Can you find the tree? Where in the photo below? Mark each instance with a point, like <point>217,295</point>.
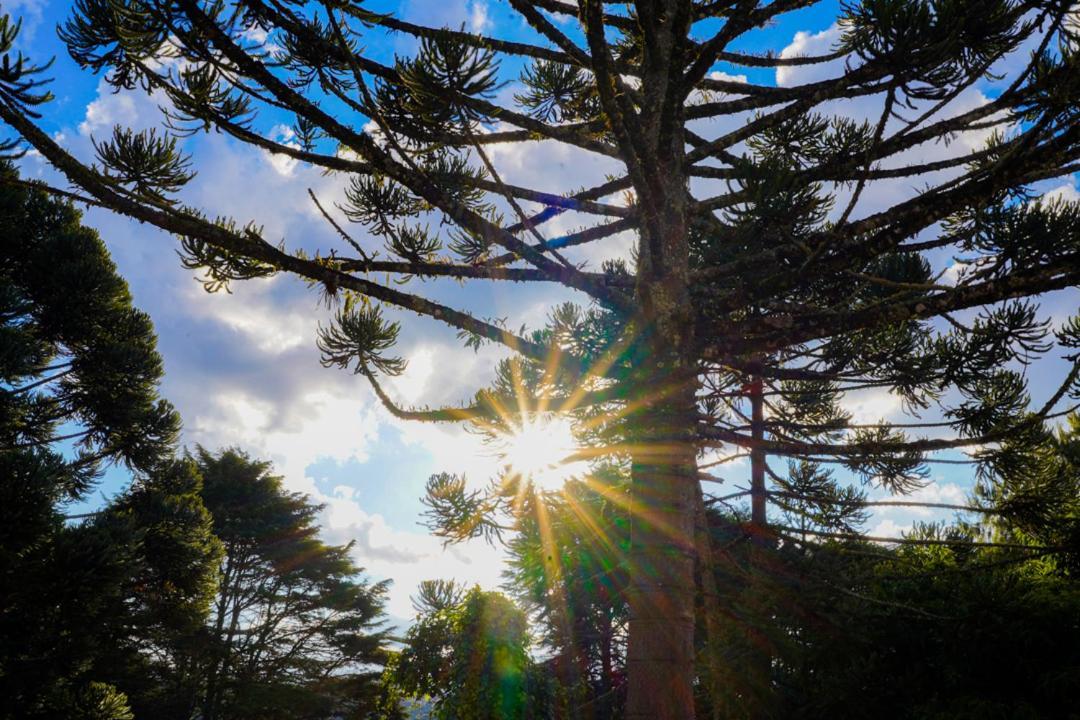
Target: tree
<point>914,631</point>
<point>467,652</point>
<point>567,568</point>
<point>293,631</point>
<point>167,593</point>
<point>99,609</point>
<point>916,628</point>
<point>78,365</point>
<point>758,259</point>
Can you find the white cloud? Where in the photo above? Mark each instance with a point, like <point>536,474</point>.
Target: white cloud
<point>473,14</point>
<point>1066,192</point>
<point>807,44</point>
<point>479,21</point>
<point>872,405</point>
<point>253,311</point>
<point>557,168</point>
<point>896,521</point>
<point>717,75</point>
<point>406,557</point>
<point>889,528</point>
<point>109,109</point>
<point>933,492</point>
<point>283,164</point>
<point>954,273</point>
<point>318,424</point>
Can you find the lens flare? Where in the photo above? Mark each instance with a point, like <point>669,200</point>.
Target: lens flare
<point>539,450</point>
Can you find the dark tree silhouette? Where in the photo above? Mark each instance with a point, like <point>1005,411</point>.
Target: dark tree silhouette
<point>294,630</point>
<point>79,378</point>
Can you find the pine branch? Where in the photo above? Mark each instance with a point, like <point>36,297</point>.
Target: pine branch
<point>918,541</point>
<point>187,225</point>
<point>382,161</point>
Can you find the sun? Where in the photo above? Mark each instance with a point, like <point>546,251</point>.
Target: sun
<point>540,450</point>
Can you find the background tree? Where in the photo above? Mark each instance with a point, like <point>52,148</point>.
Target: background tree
<point>147,635</point>
<point>95,614</point>
<point>293,631</point>
<point>78,367</point>
<point>567,567</point>
<point>916,630</point>
<point>467,653</point>
<point>749,265</point>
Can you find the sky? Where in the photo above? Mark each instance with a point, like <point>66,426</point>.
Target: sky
<point>242,367</point>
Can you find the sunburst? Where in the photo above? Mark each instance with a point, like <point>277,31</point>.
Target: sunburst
<point>541,449</point>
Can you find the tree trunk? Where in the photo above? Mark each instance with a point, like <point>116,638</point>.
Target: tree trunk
<point>660,652</point>
<point>759,669</point>
<point>213,667</point>
<point>757,458</point>
<point>710,608</point>
<point>607,667</point>
<point>664,477</point>
<point>663,427</point>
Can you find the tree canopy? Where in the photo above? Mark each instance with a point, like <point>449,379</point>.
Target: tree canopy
<point>467,653</point>
<point>293,631</point>
<point>781,258</point>
<point>82,604</point>
<point>78,361</point>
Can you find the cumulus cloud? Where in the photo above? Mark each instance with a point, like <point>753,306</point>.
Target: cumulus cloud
<point>256,315</point>
<point>936,492</point>
<point>808,44</point>
<point>889,528</point>
<point>896,521</point>
<point>872,405</point>
<point>405,557</point>
<point>110,109</point>
<point>283,164</point>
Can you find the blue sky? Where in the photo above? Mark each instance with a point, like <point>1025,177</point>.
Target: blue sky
<point>243,370</point>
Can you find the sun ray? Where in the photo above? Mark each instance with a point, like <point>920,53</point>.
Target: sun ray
<point>590,523</point>
<point>542,450</point>
<point>636,509</point>
<point>553,566</point>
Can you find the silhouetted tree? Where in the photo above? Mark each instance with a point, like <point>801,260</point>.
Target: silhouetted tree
<point>294,629</point>
<point>78,368</point>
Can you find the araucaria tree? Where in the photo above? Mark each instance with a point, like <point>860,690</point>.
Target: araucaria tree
<point>781,256</point>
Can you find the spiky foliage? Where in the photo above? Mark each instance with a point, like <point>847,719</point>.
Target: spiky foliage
<point>765,287</point>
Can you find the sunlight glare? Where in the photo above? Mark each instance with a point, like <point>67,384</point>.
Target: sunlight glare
<point>538,451</point>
